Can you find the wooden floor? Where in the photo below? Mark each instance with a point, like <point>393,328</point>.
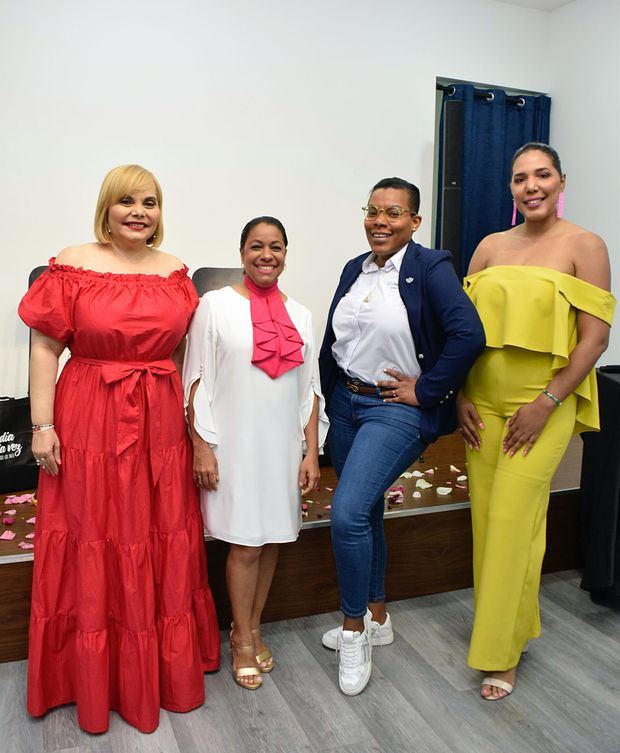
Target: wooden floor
<point>421,696</point>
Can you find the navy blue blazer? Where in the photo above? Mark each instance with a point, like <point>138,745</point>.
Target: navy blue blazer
<point>446,329</point>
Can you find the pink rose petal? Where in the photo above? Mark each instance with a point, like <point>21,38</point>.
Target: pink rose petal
<point>329,489</point>
<point>9,512</point>
<point>7,536</point>
<point>304,506</point>
<point>327,507</point>
<point>8,521</point>
<point>29,536</point>
<point>461,486</point>
<point>25,545</point>
<point>18,499</point>
<point>32,520</point>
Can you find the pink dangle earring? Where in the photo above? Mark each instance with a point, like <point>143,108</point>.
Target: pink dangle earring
<point>514,213</point>
<point>559,209</point>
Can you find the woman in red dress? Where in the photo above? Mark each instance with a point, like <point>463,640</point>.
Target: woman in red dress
<point>122,616</point>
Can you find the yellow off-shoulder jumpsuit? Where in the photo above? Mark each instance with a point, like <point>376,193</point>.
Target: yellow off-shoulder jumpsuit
<point>530,320</point>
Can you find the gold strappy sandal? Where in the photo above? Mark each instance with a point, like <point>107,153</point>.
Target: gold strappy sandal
<point>242,672</point>
<point>265,656</point>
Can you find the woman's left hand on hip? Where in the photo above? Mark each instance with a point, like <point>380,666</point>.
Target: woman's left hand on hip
<point>399,389</point>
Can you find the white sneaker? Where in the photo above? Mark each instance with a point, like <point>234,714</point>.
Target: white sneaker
<point>355,661</point>
<point>380,635</point>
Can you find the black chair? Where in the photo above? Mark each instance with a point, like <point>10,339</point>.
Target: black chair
<point>214,278</point>
<point>36,272</point>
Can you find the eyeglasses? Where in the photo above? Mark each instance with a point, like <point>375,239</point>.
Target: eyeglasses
<point>391,213</point>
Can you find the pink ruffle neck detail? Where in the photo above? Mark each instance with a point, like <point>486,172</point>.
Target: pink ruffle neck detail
<point>277,343</point>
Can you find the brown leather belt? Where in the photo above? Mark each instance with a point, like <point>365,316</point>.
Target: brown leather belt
<point>354,385</point>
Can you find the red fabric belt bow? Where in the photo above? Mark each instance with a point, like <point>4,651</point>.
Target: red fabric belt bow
<point>128,428</point>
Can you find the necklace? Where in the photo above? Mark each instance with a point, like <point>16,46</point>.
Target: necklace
<point>374,287</point>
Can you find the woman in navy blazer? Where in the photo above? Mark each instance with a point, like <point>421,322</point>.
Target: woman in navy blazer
<point>401,336</point>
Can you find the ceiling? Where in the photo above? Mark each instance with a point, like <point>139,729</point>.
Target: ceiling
<point>539,4</point>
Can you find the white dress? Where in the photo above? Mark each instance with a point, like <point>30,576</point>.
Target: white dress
<point>254,424</point>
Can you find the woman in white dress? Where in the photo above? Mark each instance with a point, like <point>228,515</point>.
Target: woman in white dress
<point>257,422</point>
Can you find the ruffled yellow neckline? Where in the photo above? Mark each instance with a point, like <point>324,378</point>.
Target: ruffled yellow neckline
<point>522,268</point>
<point>535,308</point>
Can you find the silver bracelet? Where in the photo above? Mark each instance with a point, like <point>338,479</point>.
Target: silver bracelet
<point>555,399</point>
<point>41,427</point>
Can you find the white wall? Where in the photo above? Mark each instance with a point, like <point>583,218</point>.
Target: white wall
<point>240,108</point>
<point>585,118</point>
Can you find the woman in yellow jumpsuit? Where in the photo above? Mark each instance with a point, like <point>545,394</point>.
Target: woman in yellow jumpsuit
<point>542,292</point>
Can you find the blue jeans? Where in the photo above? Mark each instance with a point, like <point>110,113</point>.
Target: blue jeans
<point>371,444</point>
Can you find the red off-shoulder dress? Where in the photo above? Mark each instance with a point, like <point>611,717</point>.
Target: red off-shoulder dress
<point>122,615</point>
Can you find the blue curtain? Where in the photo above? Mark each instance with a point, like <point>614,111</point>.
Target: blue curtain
<point>493,129</point>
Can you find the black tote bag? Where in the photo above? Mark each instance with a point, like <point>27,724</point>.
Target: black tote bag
<point>18,470</point>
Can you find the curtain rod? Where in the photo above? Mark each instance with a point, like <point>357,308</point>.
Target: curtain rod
<point>481,94</point>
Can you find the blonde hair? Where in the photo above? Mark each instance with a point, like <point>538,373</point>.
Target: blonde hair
<point>124,181</point>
